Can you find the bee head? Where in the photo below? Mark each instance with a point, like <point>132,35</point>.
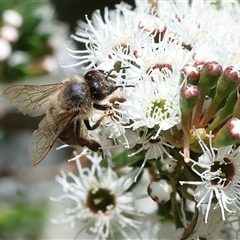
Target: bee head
<point>99,84</point>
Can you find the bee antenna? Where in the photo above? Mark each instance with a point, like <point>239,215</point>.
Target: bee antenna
<point>115,69</point>
<point>124,86</point>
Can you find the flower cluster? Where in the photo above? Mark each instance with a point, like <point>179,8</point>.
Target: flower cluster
<point>177,114</point>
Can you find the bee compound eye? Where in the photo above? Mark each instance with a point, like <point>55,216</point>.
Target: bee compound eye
<point>91,76</point>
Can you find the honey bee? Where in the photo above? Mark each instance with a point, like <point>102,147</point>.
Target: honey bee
<point>67,105</point>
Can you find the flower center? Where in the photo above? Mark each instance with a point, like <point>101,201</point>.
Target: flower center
<point>100,200</point>
<point>157,108</point>
<point>226,172</point>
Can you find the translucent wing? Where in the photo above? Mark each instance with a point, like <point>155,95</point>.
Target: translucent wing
<point>31,99</point>
<point>46,135</point>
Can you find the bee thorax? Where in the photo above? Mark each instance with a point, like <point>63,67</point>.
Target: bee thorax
<point>75,96</point>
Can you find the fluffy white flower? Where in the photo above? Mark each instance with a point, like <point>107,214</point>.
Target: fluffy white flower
<point>108,39</point>
<point>219,172</point>
<point>215,228</point>
<point>204,27</point>
<point>99,201</point>
<point>154,104</point>
<point>152,148</point>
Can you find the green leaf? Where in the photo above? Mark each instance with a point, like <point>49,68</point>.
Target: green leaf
<point>122,160</point>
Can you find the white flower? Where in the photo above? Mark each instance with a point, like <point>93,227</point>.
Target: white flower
<point>5,49</point>
<point>220,178</point>
<point>9,33</point>
<point>204,27</point>
<point>154,104</point>
<point>108,39</point>
<point>152,148</point>
<point>13,18</point>
<point>215,228</point>
<point>107,134</point>
<point>99,202</point>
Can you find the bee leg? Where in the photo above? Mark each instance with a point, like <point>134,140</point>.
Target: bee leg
<point>91,144</point>
<point>102,107</point>
<point>89,127</point>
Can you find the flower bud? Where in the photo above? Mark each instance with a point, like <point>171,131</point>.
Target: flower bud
<point>192,74</point>
<point>188,98</point>
<point>236,109</point>
<point>228,81</point>
<point>226,111</point>
<point>226,84</point>
<point>228,134</point>
<point>160,190</point>
<point>210,73</point>
<point>167,165</point>
<point>13,18</point>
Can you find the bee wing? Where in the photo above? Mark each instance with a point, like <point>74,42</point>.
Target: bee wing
<point>46,135</point>
<point>31,99</point>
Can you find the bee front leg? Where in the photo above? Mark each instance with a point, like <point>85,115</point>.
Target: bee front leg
<point>91,144</point>
<point>89,127</point>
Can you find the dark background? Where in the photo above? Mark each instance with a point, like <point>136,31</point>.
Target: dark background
<point>71,11</point>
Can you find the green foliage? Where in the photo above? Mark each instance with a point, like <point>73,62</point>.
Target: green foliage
<point>21,220</point>
<point>122,160</point>
<point>33,42</point>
